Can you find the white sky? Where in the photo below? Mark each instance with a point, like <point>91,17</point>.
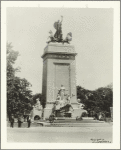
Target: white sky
<point>92,31</point>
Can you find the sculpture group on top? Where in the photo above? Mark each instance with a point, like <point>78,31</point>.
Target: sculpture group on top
<point>58,36</point>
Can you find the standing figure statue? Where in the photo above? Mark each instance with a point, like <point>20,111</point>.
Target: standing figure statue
<point>62,92</point>
<point>38,105</point>
<point>58,33</point>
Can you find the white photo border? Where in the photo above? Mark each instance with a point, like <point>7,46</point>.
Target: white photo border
<point>116,74</point>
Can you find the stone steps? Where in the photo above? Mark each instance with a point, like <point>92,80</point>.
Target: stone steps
<point>47,124</point>
<point>78,121</point>
<point>72,122</point>
<point>70,118</point>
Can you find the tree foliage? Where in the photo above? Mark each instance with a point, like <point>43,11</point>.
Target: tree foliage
<point>19,94</point>
<point>98,100</point>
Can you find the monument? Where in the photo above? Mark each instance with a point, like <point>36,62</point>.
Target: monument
<point>37,110</point>
<point>59,70</point>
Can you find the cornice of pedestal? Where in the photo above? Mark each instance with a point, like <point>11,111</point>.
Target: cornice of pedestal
<point>60,45</point>
<point>66,56</point>
<point>59,49</point>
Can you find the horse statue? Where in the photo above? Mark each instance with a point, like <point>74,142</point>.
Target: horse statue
<point>58,36</point>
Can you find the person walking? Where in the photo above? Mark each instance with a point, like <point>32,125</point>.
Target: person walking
<point>29,121</point>
<point>19,121</point>
<point>12,121</point>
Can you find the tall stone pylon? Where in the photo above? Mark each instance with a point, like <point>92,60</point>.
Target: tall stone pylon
<point>59,68</point>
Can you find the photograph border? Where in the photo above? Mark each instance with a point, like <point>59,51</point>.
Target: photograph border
<point>116,74</point>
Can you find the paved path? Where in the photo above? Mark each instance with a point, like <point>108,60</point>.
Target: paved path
<point>83,134</point>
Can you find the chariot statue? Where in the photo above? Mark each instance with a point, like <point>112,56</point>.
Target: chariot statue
<point>58,36</point>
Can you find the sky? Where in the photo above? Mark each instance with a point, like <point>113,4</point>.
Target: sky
<point>92,36</point>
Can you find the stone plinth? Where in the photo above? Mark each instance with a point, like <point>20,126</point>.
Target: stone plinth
<point>36,112</point>
<point>58,69</point>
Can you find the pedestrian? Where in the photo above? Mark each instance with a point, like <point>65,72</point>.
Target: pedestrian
<point>29,121</point>
<point>96,116</point>
<point>12,121</point>
<point>19,121</point>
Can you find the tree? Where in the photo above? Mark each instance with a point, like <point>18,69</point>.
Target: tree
<point>106,95</point>
<point>19,94</point>
<point>97,100</point>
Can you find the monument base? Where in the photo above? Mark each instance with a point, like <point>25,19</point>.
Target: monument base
<point>48,110</point>
<point>76,112</point>
<point>37,113</point>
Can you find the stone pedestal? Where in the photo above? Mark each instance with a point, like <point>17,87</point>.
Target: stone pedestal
<point>58,69</point>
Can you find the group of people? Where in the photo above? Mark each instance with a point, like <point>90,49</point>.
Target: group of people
<point>20,121</point>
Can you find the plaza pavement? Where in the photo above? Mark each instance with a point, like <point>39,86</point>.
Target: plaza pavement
<point>85,133</point>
